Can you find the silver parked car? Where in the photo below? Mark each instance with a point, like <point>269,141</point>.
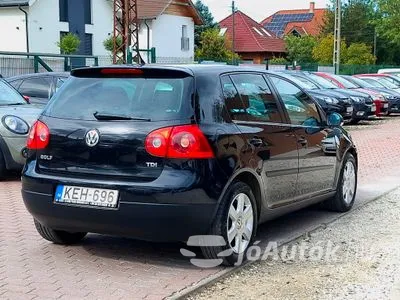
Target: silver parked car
<point>16,117</point>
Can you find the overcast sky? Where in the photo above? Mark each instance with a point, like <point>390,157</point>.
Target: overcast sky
<point>258,9</point>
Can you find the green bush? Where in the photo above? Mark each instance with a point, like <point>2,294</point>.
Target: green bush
<point>69,43</point>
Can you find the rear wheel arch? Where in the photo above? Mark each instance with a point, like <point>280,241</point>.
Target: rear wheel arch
<point>251,180</point>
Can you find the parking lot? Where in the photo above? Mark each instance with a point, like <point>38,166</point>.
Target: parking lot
<point>115,268</point>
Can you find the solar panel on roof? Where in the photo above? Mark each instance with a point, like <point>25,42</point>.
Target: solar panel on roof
<point>279,22</point>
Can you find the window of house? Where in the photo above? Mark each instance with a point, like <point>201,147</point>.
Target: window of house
<point>88,44</point>
<point>248,98</point>
<point>299,106</point>
<point>185,42</point>
<point>87,7</point>
<point>258,31</point>
<point>63,7</point>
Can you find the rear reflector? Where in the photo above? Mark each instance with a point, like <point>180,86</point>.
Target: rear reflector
<point>39,136</point>
<point>181,142</point>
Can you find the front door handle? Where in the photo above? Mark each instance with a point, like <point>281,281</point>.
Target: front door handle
<point>256,142</point>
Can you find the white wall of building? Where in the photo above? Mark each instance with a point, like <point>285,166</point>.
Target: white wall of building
<point>167,34</point>
<point>12,30</point>
<point>102,27</point>
<point>45,26</point>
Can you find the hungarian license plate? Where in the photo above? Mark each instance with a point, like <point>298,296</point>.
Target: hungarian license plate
<point>86,196</point>
<point>350,109</point>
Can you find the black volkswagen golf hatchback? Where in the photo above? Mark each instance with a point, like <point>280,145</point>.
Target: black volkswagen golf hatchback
<point>166,153</point>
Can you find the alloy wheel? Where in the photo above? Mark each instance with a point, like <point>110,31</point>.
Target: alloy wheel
<point>349,182</point>
<point>240,223</point>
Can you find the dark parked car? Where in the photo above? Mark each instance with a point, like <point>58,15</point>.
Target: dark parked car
<point>363,104</point>
<point>165,153</point>
<point>330,101</point>
<point>392,96</point>
<point>38,87</point>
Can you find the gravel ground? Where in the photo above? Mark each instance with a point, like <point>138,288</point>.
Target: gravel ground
<point>366,265</point>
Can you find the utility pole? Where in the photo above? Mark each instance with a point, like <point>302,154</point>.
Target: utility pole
<point>233,30</point>
<point>375,42</point>
<point>337,42</point>
<point>126,29</point>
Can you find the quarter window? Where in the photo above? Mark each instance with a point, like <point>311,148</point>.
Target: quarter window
<point>35,87</point>
<point>249,97</point>
<point>301,109</point>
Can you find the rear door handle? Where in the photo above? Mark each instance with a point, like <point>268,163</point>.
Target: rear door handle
<point>303,141</point>
<point>257,142</point>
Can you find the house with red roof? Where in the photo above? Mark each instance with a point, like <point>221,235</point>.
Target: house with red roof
<point>252,41</point>
<point>299,22</point>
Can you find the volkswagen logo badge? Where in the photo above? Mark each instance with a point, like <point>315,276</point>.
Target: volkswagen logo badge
<point>92,137</point>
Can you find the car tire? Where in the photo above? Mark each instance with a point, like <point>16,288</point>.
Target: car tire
<point>344,198</point>
<point>247,221</point>
<point>3,169</point>
<point>58,236</point>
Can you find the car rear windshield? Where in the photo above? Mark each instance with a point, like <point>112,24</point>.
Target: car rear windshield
<point>152,99</point>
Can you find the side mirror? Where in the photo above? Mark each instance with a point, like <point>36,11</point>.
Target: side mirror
<point>335,120</point>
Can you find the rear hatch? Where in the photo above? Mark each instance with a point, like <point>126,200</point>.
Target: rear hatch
<point>100,118</point>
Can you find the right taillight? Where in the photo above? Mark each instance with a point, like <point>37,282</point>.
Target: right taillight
<point>39,136</point>
<point>181,142</point>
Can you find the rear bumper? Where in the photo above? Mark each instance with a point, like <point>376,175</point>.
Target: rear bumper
<point>153,214</point>
<point>146,221</point>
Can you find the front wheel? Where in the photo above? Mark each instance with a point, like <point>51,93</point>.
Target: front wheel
<point>58,236</point>
<point>236,221</point>
<point>345,196</point>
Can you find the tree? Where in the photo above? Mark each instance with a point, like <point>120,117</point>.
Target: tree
<point>323,51</point>
<point>389,20</point>
<point>69,43</point>
<point>300,49</point>
<point>109,43</point>
<point>357,21</point>
<point>359,54</point>
<point>208,20</point>
<point>213,46</point>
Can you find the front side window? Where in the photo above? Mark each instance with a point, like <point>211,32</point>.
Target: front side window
<point>36,87</point>
<point>299,106</point>
<point>248,97</point>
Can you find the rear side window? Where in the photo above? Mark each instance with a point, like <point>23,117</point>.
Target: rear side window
<point>157,99</point>
<point>36,87</point>
<point>248,97</point>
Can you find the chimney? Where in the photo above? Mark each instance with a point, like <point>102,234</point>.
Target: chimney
<point>312,7</point>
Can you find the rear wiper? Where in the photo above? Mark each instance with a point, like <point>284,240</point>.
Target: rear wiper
<point>111,117</point>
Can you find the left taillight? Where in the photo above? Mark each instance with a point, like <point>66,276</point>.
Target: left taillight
<point>180,142</point>
<point>39,136</point>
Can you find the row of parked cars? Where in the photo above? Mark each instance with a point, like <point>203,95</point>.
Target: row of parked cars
<point>356,98</point>
<point>163,153</point>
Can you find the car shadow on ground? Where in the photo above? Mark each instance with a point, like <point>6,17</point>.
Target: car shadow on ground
<point>280,231</point>
<point>12,177</point>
